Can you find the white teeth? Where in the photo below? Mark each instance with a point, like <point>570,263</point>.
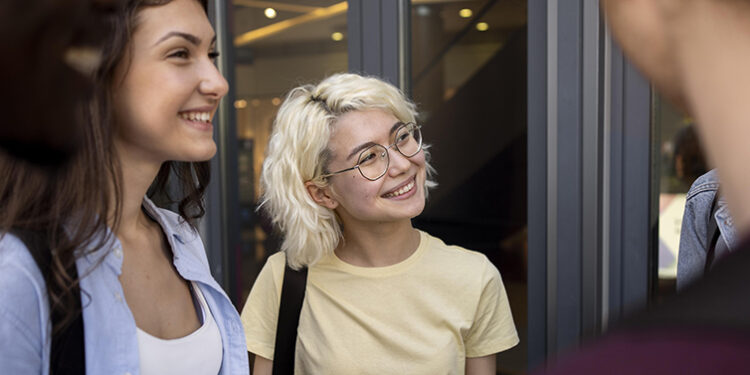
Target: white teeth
<point>401,191</point>
<point>196,116</point>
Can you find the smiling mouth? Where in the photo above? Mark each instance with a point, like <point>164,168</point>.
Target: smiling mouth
<point>196,116</point>
<point>402,190</point>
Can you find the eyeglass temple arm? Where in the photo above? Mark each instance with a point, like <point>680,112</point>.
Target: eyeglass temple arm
<point>341,171</point>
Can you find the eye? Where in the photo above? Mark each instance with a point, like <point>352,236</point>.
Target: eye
<point>213,55</point>
<point>180,54</point>
<point>403,136</point>
<point>368,157</point>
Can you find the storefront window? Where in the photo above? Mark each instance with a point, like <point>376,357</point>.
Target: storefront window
<point>278,46</point>
<point>469,81</point>
<point>681,162</point>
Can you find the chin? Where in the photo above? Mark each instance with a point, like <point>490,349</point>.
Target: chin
<point>203,154</point>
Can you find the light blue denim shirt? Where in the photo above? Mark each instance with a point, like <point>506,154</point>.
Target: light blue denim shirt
<point>694,236</point>
<point>109,328</point>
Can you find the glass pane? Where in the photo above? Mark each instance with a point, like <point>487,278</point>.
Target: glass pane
<point>278,46</point>
<point>469,80</point>
<point>681,162</point>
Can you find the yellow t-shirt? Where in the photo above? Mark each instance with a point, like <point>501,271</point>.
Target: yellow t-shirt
<point>424,315</point>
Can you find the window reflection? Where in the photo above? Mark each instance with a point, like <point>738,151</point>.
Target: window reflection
<point>278,45</point>
<point>469,81</point>
<point>681,162</point>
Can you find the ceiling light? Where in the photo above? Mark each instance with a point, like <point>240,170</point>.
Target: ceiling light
<point>337,36</point>
<point>270,13</point>
<point>239,104</point>
<point>482,26</point>
<point>465,13</point>
<point>276,101</point>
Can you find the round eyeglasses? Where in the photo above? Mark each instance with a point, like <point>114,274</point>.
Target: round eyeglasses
<point>373,161</point>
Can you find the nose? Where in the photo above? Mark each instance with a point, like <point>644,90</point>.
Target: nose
<point>398,163</point>
<point>212,83</point>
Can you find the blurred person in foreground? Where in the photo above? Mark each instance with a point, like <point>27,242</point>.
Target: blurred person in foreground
<point>51,49</point>
<point>696,53</point>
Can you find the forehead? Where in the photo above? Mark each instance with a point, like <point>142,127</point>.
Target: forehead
<point>363,126</point>
<point>186,16</point>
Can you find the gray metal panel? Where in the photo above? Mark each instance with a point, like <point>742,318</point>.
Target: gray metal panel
<point>372,43</point>
<point>389,11</point>
<point>616,185</point>
<point>551,186</point>
<point>637,222</point>
<point>632,224</point>
<point>569,183</point>
<point>591,172</point>
<point>404,54</point>
<point>537,182</point>
<point>354,35</point>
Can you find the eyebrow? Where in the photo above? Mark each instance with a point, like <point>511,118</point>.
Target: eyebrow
<point>189,37</point>
<point>365,145</point>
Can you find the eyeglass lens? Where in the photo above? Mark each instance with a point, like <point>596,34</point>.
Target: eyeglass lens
<point>373,161</point>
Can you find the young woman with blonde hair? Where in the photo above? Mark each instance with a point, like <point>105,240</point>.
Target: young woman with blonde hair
<point>344,175</point>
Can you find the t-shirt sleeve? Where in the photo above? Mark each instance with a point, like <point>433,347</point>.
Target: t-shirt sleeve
<point>493,329</point>
<point>261,311</point>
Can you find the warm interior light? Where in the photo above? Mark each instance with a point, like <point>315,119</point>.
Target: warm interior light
<point>465,13</point>
<point>482,26</point>
<point>277,27</point>
<point>276,101</point>
<point>239,104</point>
<point>270,13</point>
<point>337,36</point>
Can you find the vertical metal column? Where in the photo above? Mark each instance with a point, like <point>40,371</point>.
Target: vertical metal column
<point>379,43</point>
<point>632,223</point>
<point>537,184</point>
<point>221,223</point>
<point>590,219</point>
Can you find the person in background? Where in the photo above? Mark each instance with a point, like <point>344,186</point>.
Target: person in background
<point>695,52</point>
<point>689,161</point>
<point>346,172</point>
<point>148,302</point>
<point>707,232</point>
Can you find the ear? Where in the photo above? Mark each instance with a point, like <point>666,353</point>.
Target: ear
<point>321,195</point>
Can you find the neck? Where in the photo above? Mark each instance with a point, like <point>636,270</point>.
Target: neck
<point>717,85</point>
<point>377,245</point>
<point>137,176</point>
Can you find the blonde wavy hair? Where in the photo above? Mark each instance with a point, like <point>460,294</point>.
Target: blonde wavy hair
<point>298,152</point>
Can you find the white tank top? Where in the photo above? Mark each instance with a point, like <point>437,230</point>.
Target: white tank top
<point>198,353</point>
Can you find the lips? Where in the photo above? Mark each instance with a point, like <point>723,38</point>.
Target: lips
<point>401,190</point>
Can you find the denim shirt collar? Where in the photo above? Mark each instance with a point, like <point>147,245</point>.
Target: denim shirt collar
<point>180,236</point>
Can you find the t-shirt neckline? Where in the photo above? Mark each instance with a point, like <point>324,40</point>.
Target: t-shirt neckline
<point>384,271</point>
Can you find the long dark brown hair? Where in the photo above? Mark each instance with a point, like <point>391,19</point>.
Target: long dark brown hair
<point>72,206</point>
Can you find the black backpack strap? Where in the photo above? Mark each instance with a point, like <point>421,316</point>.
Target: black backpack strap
<point>292,296</point>
<point>67,353</point>
<point>713,234</point>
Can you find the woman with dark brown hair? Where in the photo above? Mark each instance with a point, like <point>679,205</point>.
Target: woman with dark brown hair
<point>148,303</point>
